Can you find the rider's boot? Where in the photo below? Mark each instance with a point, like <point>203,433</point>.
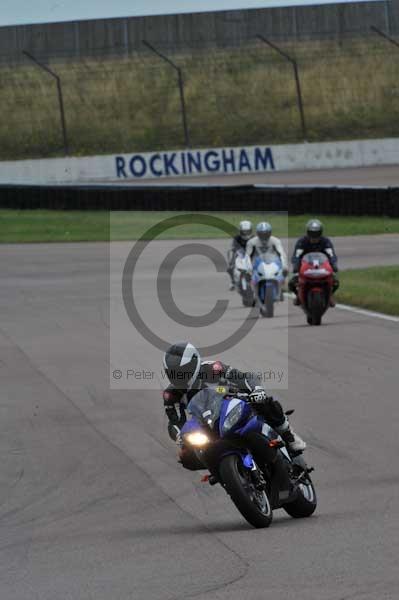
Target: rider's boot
<point>293,287</point>
<point>230,271</point>
<point>293,441</point>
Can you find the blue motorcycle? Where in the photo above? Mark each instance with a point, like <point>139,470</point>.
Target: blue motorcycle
<point>267,279</point>
<point>246,457</point>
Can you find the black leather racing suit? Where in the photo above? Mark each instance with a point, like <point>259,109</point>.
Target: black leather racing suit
<point>176,399</point>
<point>305,244</point>
<point>238,243</point>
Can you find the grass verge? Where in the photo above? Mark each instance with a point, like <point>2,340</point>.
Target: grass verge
<point>375,288</point>
<point>17,226</point>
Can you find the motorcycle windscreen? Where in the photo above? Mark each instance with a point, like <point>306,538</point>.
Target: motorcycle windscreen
<point>313,257</point>
<point>206,406</point>
<point>269,257</point>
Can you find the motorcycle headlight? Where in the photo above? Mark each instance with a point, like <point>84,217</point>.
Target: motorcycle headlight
<point>197,439</point>
<point>233,418</point>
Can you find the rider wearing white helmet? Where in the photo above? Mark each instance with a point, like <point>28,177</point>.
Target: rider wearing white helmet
<point>239,242</point>
<point>265,243</point>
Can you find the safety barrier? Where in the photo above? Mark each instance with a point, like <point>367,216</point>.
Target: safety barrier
<point>299,200</point>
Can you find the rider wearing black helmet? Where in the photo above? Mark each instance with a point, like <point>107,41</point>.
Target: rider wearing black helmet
<point>313,241</point>
<point>239,242</point>
<point>188,375</point>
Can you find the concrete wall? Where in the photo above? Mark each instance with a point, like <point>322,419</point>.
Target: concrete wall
<point>69,41</point>
<point>160,166</point>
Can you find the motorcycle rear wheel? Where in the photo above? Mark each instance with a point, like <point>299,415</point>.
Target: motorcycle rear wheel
<point>306,503</point>
<point>254,505</point>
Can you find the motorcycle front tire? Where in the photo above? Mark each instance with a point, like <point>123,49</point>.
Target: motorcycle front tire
<point>233,477</point>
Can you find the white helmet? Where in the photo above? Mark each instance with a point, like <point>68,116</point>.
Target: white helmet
<point>245,230</point>
<point>264,231</point>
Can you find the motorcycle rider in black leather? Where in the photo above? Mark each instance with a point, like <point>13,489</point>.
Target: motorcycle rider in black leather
<point>188,375</point>
<point>239,243</point>
<point>313,241</point>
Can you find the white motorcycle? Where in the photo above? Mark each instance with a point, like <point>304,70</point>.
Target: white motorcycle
<point>242,277</point>
<point>268,281</point>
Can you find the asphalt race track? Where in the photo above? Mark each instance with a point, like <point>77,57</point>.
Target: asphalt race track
<point>92,502</point>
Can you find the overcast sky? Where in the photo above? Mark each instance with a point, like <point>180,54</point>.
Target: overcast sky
<point>20,12</point>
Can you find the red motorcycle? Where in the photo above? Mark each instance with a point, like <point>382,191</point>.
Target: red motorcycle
<point>315,286</point>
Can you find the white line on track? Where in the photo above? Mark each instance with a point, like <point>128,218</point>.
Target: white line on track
<point>361,311</point>
<point>368,313</point>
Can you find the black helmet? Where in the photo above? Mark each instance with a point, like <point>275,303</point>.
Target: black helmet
<point>314,228</point>
<point>182,363</point>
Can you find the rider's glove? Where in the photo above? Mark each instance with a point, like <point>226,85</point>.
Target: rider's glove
<point>285,272</point>
<point>257,396</point>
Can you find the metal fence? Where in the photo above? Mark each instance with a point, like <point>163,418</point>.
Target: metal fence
<point>76,40</point>
<point>264,90</point>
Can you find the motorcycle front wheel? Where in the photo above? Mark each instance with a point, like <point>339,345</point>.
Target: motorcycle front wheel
<point>247,297</point>
<point>247,301</point>
<point>269,301</point>
<point>253,504</point>
<point>267,304</point>
<point>316,307</point>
